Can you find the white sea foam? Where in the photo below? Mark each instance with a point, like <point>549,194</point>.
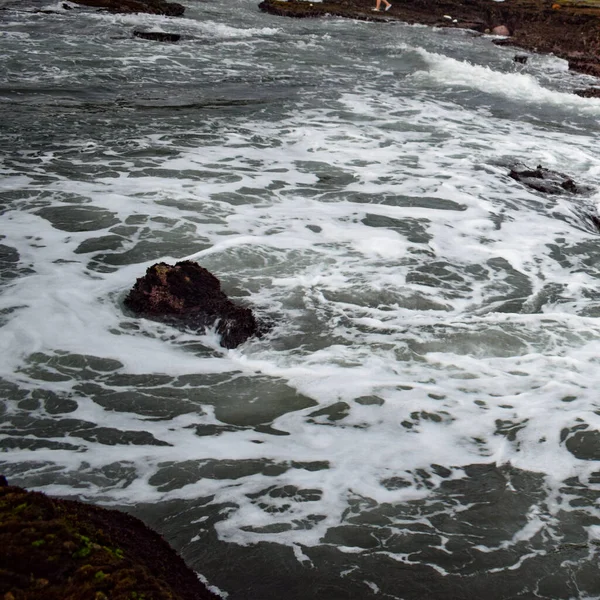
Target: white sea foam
<point>207,28</point>
<point>440,313</point>
<point>521,87</point>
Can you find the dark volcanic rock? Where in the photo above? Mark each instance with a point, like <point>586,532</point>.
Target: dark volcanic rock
<point>584,445</point>
<point>66,550</point>
<point>190,295</point>
<point>157,36</point>
<point>544,180</point>
<point>588,65</point>
<point>303,9</point>
<point>588,93</point>
<point>593,220</point>
<point>155,7</point>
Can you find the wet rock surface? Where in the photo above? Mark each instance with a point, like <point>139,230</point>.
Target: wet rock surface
<point>157,36</point>
<point>588,93</point>
<point>189,295</point>
<point>56,549</point>
<point>545,180</point>
<point>567,29</point>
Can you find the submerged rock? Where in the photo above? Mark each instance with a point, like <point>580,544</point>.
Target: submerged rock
<point>585,64</point>
<point>157,36</point>
<point>593,219</point>
<point>56,549</point>
<point>545,180</point>
<point>188,294</point>
<point>155,7</point>
<point>588,93</point>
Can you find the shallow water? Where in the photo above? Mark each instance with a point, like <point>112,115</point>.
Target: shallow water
<point>422,419</point>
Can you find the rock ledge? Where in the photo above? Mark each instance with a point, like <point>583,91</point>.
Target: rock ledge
<point>189,295</point>
<point>56,549</point>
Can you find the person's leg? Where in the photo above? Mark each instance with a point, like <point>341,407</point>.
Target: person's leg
<point>388,5</point>
<point>377,5</point>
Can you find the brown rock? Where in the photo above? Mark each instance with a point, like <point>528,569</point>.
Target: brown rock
<point>570,33</point>
<point>588,93</point>
<point>189,295</point>
<point>56,549</point>
<point>501,30</point>
<point>585,64</point>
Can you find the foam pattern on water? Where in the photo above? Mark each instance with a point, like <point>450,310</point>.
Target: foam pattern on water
<point>426,394</point>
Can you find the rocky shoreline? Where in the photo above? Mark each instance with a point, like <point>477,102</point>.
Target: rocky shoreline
<point>568,30</point>
<point>57,549</point>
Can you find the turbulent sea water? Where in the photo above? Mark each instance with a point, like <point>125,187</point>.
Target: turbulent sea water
<point>422,420</point>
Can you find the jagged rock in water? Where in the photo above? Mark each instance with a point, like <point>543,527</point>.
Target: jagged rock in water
<point>55,549</point>
<point>588,93</point>
<point>593,219</point>
<point>545,180</point>
<point>155,7</point>
<point>585,64</point>
<point>520,59</point>
<point>157,36</point>
<point>189,295</point>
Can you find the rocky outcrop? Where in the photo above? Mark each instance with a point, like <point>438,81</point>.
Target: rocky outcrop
<point>588,93</point>
<point>545,180</point>
<point>189,295</point>
<point>155,7</point>
<point>585,64</point>
<point>569,31</point>
<point>56,549</point>
<point>157,36</point>
<point>322,9</point>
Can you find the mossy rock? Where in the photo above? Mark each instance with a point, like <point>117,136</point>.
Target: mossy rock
<point>186,294</point>
<point>55,549</point>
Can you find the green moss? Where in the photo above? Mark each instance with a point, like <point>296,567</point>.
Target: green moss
<point>114,552</point>
<point>56,549</point>
<point>86,548</point>
<point>82,552</point>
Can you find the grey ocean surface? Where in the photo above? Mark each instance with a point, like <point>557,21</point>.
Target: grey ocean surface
<point>421,421</point>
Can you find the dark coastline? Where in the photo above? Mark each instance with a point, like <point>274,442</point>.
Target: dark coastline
<point>570,31</point>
